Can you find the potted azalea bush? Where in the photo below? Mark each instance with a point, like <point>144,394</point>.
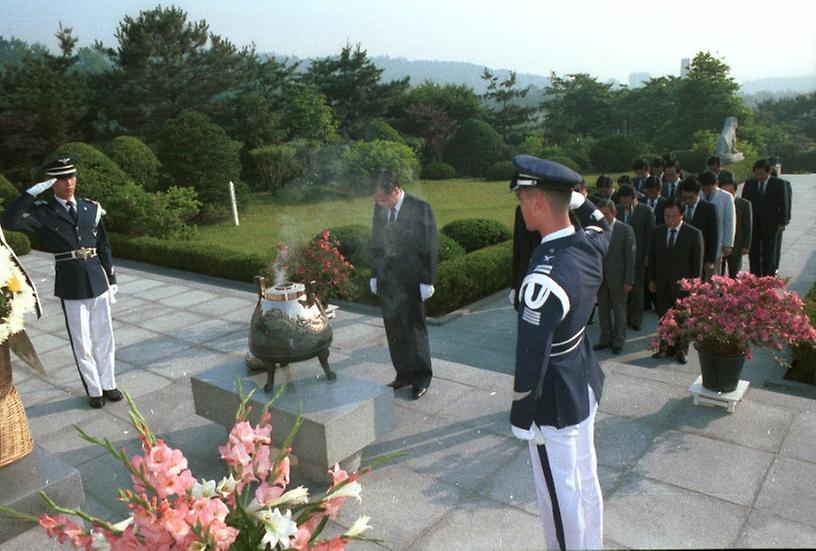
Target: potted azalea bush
<point>726,317</point>
<point>250,508</point>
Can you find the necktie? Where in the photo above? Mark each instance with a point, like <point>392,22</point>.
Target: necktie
<point>652,203</point>
<point>671,190</point>
<point>72,211</point>
<point>392,215</point>
<point>626,215</point>
<point>762,187</point>
<point>672,237</point>
<point>689,212</point>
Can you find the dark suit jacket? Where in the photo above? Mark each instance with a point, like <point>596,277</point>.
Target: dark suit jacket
<point>742,226</point>
<point>771,210</point>
<point>619,262</point>
<point>403,254</point>
<point>75,279</point>
<point>664,191</point>
<point>705,220</point>
<point>788,198</point>
<point>658,209</point>
<point>684,260</point>
<point>524,243</point>
<point>642,221</point>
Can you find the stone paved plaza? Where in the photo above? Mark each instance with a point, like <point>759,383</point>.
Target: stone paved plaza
<point>674,475</point>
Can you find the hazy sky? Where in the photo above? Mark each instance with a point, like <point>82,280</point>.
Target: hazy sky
<point>604,38</point>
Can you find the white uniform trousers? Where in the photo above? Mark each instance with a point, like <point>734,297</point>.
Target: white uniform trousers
<point>91,332</point>
<point>565,472</point>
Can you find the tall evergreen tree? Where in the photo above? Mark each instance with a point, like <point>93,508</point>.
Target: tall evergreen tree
<point>507,113</point>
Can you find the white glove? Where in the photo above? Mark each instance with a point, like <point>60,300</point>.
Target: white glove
<point>512,297</point>
<point>426,291</point>
<point>38,188</point>
<point>521,433</point>
<point>576,200</point>
<point>113,290</point>
<point>372,283</point>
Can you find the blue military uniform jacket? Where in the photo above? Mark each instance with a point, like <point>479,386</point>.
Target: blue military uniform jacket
<point>50,221</point>
<point>555,364</point>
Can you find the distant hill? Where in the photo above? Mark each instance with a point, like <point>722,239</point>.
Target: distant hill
<point>460,72</point>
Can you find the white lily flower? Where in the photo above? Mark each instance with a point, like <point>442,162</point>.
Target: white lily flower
<point>226,486</point>
<point>352,489</point>
<point>205,488</point>
<point>360,525</point>
<point>278,528</point>
<point>298,495</point>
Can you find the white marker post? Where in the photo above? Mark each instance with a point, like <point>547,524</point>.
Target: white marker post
<point>234,203</point>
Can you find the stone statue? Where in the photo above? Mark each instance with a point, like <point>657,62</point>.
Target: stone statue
<point>726,147</point>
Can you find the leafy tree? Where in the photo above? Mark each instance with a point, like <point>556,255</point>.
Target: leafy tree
<point>165,65</point>
<point>507,113</point>
<point>578,105</point>
<point>706,97</point>
<point>363,159</point>
<point>351,84</point>
<point>458,101</point>
<point>434,126</point>
<point>307,116</point>
<point>650,110</point>
<point>13,51</point>
<point>198,153</point>
<point>42,104</point>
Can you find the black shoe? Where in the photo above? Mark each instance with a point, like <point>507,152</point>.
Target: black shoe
<point>600,346</point>
<point>635,327</point>
<point>417,391</point>
<point>113,395</point>
<point>681,357</point>
<point>398,383</point>
<point>97,402</point>
<point>616,349</point>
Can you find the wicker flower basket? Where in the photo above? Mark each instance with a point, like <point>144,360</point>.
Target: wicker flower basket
<point>15,437</point>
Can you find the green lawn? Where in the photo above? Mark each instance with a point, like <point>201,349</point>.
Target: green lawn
<point>266,222</point>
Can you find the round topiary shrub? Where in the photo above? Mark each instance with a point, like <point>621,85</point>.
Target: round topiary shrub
<point>137,160</point>
<point>198,153</point>
<point>475,147</point>
<point>438,171</point>
<point>355,244</point>
<point>501,170</point>
<point>97,174</point>
<point>447,248</point>
<point>8,192</point>
<point>613,153</point>
<point>567,162</point>
<point>477,233</point>
<point>363,159</point>
<point>18,242</point>
<point>271,167</point>
<point>691,160</point>
<point>377,129</point>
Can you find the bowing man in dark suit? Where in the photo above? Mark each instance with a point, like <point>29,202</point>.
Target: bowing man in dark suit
<point>703,216</point>
<point>73,230</point>
<point>676,252</point>
<point>770,208</point>
<point>403,270</point>
<point>641,218</point>
<point>671,180</point>
<point>642,172</point>
<point>743,222</point>
<point>775,170</point>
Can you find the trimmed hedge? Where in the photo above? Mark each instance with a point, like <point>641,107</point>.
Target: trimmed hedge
<point>463,280</point>
<point>271,167</point>
<point>19,242</point>
<point>187,255</point>
<point>804,356</point>
<point>500,170</point>
<point>355,244</point>
<point>803,161</point>
<point>137,160</point>
<point>438,171</point>
<point>474,147</point>
<point>477,233</point>
<point>567,162</point>
<point>8,192</point>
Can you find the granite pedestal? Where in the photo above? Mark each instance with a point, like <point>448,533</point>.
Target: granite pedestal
<point>20,482</point>
<point>339,417</point>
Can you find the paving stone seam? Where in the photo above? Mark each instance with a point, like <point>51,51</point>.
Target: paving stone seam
<point>753,502</point>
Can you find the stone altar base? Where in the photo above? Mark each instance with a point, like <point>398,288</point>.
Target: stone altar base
<point>20,482</point>
<point>339,417</point>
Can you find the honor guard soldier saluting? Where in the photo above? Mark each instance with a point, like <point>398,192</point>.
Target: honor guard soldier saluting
<point>72,229</point>
<point>558,381</point>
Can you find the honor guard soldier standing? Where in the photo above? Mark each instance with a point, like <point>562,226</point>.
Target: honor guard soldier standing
<point>72,229</point>
<point>558,381</point>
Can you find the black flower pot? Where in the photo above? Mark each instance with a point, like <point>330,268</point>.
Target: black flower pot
<point>720,373</point>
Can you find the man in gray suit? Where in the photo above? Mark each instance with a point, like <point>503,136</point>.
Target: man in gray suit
<point>618,280</point>
<point>642,220</point>
<point>743,223</point>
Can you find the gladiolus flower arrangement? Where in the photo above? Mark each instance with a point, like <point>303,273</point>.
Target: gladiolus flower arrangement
<point>728,316</point>
<point>251,508</point>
